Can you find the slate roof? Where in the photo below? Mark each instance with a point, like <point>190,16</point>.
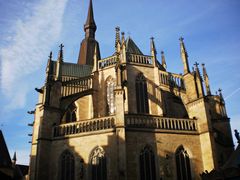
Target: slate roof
<point>74,70</point>
<point>132,48</point>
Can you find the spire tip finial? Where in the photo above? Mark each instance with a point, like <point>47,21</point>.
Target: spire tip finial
<point>181,39</point>
<point>196,64</point>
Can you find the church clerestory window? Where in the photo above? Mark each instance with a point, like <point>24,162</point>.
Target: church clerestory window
<point>98,164</point>
<point>67,166</point>
<point>110,85</point>
<point>183,164</point>
<point>71,114</point>
<point>141,94</point>
<point>147,164</point>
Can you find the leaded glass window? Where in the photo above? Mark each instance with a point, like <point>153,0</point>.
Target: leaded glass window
<point>67,166</point>
<point>147,164</point>
<point>183,164</point>
<point>110,83</point>
<point>141,94</point>
<point>98,164</point>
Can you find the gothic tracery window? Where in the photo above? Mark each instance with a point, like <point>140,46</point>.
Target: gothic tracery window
<point>71,114</point>
<point>141,94</point>
<point>110,85</point>
<point>98,164</point>
<point>147,164</point>
<point>183,164</point>
<point>67,166</point>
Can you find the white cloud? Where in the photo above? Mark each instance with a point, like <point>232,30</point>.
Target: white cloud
<point>29,47</point>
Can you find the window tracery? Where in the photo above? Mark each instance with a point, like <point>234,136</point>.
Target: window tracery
<point>183,164</point>
<point>141,94</point>
<point>98,164</point>
<point>147,164</point>
<point>71,114</point>
<point>110,85</point>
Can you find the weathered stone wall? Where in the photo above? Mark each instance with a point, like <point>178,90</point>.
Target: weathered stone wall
<point>82,147</point>
<point>164,146</point>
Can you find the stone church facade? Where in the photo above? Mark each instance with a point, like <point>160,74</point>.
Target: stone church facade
<point>126,117</point>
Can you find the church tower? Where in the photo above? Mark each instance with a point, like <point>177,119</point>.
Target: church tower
<point>126,116</point>
<point>89,44</point>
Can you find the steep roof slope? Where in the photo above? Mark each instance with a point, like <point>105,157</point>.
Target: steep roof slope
<point>132,48</point>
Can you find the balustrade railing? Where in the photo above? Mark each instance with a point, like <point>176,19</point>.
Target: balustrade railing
<point>76,86</point>
<point>68,78</point>
<point>84,126</point>
<point>141,59</point>
<point>154,122</point>
<point>170,79</point>
<point>134,58</point>
<point>107,62</point>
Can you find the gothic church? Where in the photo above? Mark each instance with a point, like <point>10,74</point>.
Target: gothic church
<point>126,117</point>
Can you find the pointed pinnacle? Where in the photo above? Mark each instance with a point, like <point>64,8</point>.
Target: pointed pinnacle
<point>50,56</point>
<point>60,55</point>
<point>14,156</point>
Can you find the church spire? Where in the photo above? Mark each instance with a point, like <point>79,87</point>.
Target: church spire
<point>89,45</point>
<point>206,80</point>
<point>90,26</point>
<point>184,56</point>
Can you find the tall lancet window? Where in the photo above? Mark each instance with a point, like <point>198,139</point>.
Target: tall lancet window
<point>147,164</point>
<point>66,170</point>
<point>183,164</point>
<point>98,164</point>
<point>71,114</point>
<point>141,94</point>
<point>110,85</point>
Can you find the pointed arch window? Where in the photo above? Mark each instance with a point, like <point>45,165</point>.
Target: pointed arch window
<point>110,85</point>
<point>183,164</point>
<point>141,94</point>
<point>147,164</point>
<point>98,164</point>
<point>67,166</point>
<point>71,114</point>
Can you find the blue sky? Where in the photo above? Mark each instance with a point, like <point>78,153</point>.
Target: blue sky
<point>31,29</point>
